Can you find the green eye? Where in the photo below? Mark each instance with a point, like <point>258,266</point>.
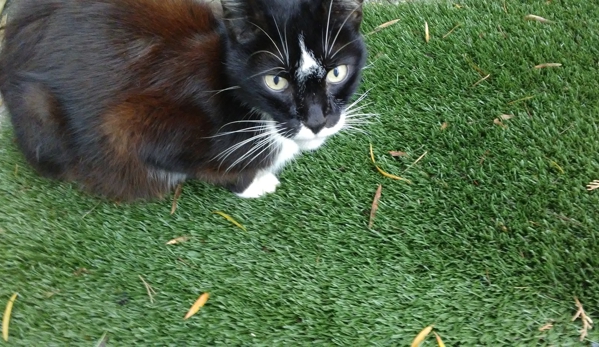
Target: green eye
<point>337,74</point>
<point>276,83</point>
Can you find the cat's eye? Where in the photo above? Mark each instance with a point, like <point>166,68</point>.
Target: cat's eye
<point>276,83</point>
<point>337,74</point>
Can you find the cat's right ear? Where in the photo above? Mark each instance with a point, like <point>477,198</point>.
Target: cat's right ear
<point>243,18</point>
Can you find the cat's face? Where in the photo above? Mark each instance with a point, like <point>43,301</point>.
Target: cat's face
<point>296,62</point>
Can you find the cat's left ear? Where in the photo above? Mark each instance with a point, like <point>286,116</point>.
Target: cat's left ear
<point>350,9</point>
<point>243,18</point>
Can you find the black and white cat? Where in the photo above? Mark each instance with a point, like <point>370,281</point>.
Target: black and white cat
<point>131,97</point>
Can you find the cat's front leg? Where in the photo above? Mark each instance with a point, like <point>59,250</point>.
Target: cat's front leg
<point>255,186</point>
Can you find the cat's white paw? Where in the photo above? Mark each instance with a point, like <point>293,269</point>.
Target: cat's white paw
<point>264,183</point>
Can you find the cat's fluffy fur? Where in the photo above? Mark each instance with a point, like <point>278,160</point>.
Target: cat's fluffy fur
<point>131,97</point>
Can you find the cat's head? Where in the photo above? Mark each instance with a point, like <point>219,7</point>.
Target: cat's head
<point>297,62</point>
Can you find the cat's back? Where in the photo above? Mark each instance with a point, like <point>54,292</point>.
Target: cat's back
<point>104,40</point>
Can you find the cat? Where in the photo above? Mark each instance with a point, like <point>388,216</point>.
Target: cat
<point>129,98</point>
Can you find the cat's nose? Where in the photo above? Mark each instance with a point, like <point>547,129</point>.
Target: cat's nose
<point>316,120</point>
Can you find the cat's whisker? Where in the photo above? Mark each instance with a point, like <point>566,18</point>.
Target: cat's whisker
<point>226,153</point>
<point>246,121</point>
<point>324,49</point>
<point>270,38</point>
<point>268,52</point>
<point>283,42</point>
<point>217,91</point>
<point>342,47</point>
<point>264,141</point>
<point>357,109</point>
<point>355,129</point>
<point>339,31</point>
<point>360,98</point>
<point>265,71</point>
<point>244,130</point>
<point>361,115</point>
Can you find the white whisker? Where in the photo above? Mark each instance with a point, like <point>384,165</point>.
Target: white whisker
<point>270,38</point>
<point>339,31</point>
<point>324,49</point>
<point>268,52</point>
<point>342,47</point>
<point>265,71</point>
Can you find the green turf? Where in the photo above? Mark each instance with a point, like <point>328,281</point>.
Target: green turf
<point>493,239</point>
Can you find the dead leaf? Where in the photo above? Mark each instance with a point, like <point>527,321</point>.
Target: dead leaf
<point>383,172</point>
<point>383,26</point>
<point>496,121</point>
<point>176,240</point>
<point>544,65</point>
<point>593,185</point>
<point>587,322</point>
<point>537,18</point>
<point>444,126</point>
<point>506,116</point>
<point>80,271</point>
<point>398,153</point>
<point>375,205</point>
<point>230,219</point>
<point>200,302</point>
<point>547,326</point>
<point>421,336</point>
<point>427,36</point>
<point>6,317</point>
<point>178,192</point>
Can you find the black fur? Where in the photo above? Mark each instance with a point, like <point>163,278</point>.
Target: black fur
<point>130,97</point>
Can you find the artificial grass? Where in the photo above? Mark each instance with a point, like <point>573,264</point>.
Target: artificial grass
<point>493,239</point>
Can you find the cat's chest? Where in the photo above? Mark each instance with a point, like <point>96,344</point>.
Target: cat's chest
<point>288,149</point>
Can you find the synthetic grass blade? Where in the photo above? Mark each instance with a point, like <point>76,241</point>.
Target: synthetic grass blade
<point>103,340</point>
<point>230,219</point>
<point>421,336</point>
<point>6,317</point>
<point>439,341</point>
<point>201,301</point>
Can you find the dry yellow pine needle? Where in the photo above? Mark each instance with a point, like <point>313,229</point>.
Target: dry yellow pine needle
<point>427,36</point>
<point>383,26</point>
<point>6,317</point>
<point>421,336</point>
<point>230,219</point>
<point>200,302</point>
<point>481,80</point>
<point>176,240</point>
<point>452,29</point>
<point>439,341</point>
<point>178,192</point>
<point>537,18</point>
<point>521,99</point>
<point>544,65</point>
<point>593,185</point>
<point>388,175</point>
